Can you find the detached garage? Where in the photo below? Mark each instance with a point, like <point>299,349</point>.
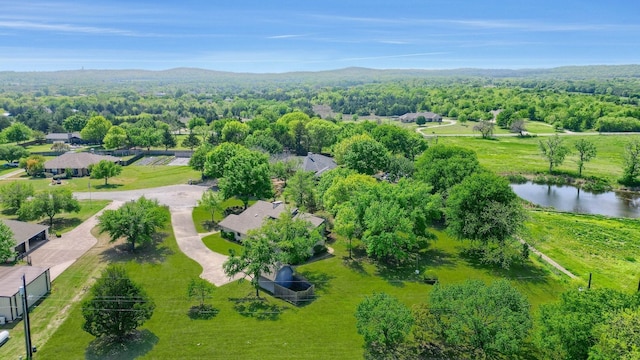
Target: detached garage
<point>28,236</point>
<point>38,285</point>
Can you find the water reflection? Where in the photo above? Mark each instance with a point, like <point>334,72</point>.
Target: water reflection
<point>569,198</point>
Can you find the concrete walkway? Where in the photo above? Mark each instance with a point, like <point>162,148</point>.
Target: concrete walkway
<point>549,260</point>
<point>11,174</point>
<point>59,253</point>
<point>191,245</point>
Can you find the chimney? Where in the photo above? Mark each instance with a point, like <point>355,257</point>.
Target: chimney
<point>276,203</point>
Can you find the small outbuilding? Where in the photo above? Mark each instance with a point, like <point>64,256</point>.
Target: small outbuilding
<point>78,163</point>
<point>286,285</point>
<point>28,236</point>
<point>38,286</point>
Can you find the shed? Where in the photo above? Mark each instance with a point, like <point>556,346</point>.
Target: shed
<point>28,236</point>
<point>38,286</point>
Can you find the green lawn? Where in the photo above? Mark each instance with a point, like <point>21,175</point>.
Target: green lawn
<point>522,155</point>
<point>202,218</point>
<point>608,248</point>
<point>534,127</point>
<point>249,329</point>
<point>68,221</point>
<point>133,177</point>
<point>216,243</point>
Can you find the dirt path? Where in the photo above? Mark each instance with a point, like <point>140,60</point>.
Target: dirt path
<point>549,260</point>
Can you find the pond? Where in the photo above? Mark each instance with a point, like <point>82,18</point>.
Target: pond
<point>572,199</point>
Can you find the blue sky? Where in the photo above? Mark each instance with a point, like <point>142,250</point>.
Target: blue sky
<point>279,36</point>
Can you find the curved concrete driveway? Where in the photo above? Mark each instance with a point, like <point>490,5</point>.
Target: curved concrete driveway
<point>190,243</point>
<point>59,254</point>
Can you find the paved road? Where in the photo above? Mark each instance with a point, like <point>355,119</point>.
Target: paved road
<point>174,196</point>
<point>59,253</point>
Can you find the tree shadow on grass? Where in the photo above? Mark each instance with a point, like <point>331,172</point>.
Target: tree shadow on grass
<point>154,252</point>
<point>136,345</point>
<point>320,280</point>
<point>435,258</point>
<point>257,308</point>
<point>204,312</point>
<point>355,265</point>
<point>520,270</point>
<point>108,186</point>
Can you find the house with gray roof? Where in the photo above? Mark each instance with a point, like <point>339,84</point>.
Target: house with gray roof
<point>258,213</point>
<point>78,163</point>
<point>28,236</point>
<point>318,163</point>
<point>67,138</point>
<point>428,116</point>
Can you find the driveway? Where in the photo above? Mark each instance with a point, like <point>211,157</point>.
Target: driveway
<point>59,253</point>
<point>191,245</point>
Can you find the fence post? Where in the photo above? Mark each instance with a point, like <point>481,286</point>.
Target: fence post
<point>589,286</point>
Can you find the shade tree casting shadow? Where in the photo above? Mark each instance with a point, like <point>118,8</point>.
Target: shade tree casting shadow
<point>135,345</point>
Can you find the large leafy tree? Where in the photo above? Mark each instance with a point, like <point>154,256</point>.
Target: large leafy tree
<point>246,175</point>
<point>216,159</point>
<point>566,328</point>
<point>7,243</point>
<point>384,322</point>
<point>13,194</point>
<point>211,201</point>
<point>105,169</point>
<point>361,153</point>
<point>33,165</point>
<point>235,131</point>
<point>136,221</point>
<point>389,231</point>
<point>115,138</point>
<point>399,140</point>
<point>96,129</point>
<point>17,132</point>
<point>300,189</point>
<point>485,128</point>
<point>263,140</point>
<point>11,153</point>
<point>322,133</point>
<point>284,169</point>
<point>199,158</point>
<point>257,257</point>
<point>345,224</point>
<point>443,166</point>
<point>586,151</point>
<point>618,337</point>
<point>483,208</point>
<point>554,150</point>
<point>48,203</point>
<point>631,162</point>
<point>191,141</point>
<point>478,321</point>
<point>75,122</point>
<point>117,305</point>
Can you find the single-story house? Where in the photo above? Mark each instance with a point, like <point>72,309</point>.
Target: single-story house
<point>318,163</point>
<point>38,286</point>
<point>428,116</point>
<point>67,138</point>
<point>28,236</point>
<point>285,285</point>
<point>256,214</point>
<point>78,163</point>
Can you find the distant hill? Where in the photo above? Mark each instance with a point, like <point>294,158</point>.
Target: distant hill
<point>341,77</point>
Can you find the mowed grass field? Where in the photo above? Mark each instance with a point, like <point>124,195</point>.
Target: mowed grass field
<point>133,177</point>
<point>522,155</point>
<point>609,248</point>
<point>246,328</point>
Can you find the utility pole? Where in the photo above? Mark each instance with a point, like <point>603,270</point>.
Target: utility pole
<point>25,318</point>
